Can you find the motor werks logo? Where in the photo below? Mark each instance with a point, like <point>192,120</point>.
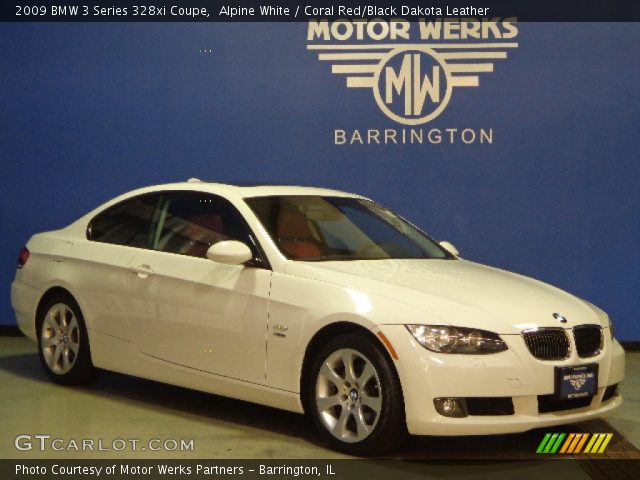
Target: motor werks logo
<point>413,69</point>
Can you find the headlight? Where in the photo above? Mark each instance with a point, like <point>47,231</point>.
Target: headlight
<point>444,339</point>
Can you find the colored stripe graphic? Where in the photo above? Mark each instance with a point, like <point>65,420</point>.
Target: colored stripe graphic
<point>556,445</point>
<point>581,443</point>
<point>553,443</point>
<point>592,440</point>
<point>598,443</point>
<point>605,443</point>
<point>576,445</point>
<point>567,443</point>
<point>543,443</point>
<point>550,443</point>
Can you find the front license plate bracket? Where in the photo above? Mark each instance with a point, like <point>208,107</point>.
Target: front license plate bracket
<point>576,381</point>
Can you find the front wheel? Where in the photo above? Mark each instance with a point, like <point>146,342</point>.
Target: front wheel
<point>355,397</point>
<point>63,343</point>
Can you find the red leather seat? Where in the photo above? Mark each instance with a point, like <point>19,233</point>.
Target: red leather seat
<point>294,236</point>
<point>202,230</point>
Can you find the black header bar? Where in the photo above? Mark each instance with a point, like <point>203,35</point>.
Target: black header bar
<point>305,10</point>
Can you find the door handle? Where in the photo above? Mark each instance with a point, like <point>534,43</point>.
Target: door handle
<point>143,271</point>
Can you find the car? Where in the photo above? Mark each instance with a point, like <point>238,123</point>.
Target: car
<point>315,301</point>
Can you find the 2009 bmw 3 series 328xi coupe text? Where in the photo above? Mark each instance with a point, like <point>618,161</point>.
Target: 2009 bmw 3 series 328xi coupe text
<point>316,301</point>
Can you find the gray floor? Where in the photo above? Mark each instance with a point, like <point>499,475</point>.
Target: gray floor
<point>119,406</point>
<point>627,419</point>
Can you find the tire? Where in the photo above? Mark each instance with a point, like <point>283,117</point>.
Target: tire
<point>63,344</point>
<point>355,397</point>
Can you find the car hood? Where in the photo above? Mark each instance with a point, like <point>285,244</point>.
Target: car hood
<point>456,292</point>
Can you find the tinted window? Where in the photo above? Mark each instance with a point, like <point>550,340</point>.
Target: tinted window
<point>126,223</point>
<point>189,223</point>
<point>339,228</point>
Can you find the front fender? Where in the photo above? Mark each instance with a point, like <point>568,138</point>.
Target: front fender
<point>300,307</point>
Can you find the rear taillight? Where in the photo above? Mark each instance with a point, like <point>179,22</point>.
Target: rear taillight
<point>23,257</point>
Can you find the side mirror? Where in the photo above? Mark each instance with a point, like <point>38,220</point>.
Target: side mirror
<point>448,246</point>
<point>229,252</point>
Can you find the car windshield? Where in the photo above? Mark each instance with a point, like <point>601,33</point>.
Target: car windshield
<point>316,228</point>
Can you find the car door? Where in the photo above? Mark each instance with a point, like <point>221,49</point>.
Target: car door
<point>102,262</point>
<point>194,312</point>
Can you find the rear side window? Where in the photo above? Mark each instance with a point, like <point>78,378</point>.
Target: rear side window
<point>127,223</point>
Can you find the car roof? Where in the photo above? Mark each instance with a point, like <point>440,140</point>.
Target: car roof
<point>248,190</point>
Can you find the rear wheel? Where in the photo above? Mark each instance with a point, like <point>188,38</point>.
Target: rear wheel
<point>355,397</point>
<point>63,344</point>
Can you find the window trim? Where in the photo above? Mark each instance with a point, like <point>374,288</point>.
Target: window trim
<point>262,260</point>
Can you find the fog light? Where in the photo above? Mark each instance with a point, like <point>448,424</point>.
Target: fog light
<point>450,407</point>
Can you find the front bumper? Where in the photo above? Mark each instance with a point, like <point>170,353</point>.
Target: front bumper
<point>514,373</point>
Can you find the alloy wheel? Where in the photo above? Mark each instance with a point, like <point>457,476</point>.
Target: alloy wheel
<point>348,395</point>
<point>60,338</point>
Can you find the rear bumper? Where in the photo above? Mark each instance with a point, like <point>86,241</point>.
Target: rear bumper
<point>514,374</point>
<point>24,299</point>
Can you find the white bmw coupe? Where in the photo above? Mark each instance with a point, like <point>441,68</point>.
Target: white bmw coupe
<point>316,301</point>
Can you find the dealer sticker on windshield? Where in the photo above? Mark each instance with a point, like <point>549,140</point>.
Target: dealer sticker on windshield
<point>576,382</point>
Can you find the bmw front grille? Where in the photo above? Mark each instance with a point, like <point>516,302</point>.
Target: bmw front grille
<point>553,343</point>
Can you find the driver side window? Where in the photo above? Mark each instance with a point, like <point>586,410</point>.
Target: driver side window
<point>188,223</point>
